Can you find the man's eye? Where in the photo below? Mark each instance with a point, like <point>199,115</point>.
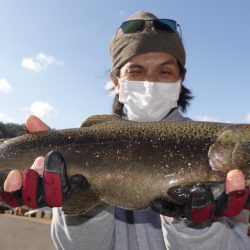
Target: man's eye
<point>165,72</point>
<point>135,72</point>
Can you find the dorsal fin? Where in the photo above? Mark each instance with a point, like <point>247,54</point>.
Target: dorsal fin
<point>99,119</point>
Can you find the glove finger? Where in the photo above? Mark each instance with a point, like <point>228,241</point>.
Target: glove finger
<point>55,179</point>
<point>13,199</point>
<point>231,204</point>
<point>33,192</point>
<point>200,206</point>
<point>77,180</point>
<point>166,208</point>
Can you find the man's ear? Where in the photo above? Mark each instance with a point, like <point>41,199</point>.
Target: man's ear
<point>182,77</point>
<point>115,81</point>
<point>181,88</point>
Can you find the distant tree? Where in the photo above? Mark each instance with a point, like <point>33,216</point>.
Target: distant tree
<point>10,130</point>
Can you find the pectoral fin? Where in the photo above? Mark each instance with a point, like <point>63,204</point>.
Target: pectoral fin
<point>82,198</point>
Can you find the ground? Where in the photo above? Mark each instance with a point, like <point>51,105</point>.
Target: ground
<point>18,232</point>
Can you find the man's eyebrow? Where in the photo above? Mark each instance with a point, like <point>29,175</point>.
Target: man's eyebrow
<point>167,62</point>
<point>170,61</point>
<point>135,65</point>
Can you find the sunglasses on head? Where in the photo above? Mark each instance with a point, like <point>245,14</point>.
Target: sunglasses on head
<point>163,25</point>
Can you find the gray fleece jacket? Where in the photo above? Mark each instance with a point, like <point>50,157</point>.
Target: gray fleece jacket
<point>111,228</point>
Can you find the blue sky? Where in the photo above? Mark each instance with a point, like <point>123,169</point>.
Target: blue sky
<point>54,58</point>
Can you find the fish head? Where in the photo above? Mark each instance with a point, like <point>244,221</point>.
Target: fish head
<point>231,150</point>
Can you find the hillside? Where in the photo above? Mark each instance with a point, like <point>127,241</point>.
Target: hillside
<point>9,130</point>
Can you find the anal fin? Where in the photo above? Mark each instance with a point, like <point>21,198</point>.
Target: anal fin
<point>81,199</point>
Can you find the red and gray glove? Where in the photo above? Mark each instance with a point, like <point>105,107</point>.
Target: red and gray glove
<point>202,207</point>
<point>50,190</point>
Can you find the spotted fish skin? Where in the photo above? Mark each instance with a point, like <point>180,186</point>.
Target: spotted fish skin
<point>129,164</point>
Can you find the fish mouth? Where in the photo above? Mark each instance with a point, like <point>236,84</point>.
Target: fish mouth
<point>181,194</point>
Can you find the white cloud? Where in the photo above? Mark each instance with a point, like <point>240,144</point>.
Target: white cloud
<point>109,85</point>
<point>5,86</point>
<point>109,88</point>
<point>207,119</point>
<point>41,109</point>
<point>248,117</point>
<point>5,118</point>
<point>40,62</point>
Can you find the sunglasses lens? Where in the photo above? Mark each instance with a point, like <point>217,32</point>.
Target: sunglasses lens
<point>133,26</point>
<point>165,25</point>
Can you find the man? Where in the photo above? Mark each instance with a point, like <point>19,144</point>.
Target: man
<point>148,70</point>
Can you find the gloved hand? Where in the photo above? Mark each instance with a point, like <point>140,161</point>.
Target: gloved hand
<point>50,190</point>
<point>201,205</point>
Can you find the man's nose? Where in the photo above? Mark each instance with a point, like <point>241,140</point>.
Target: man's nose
<point>151,77</point>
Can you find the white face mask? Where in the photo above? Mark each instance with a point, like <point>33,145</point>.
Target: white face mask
<point>148,101</point>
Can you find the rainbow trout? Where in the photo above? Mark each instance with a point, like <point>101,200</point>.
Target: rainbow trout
<point>130,164</point>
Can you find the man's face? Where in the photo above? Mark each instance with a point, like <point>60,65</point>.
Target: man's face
<point>153,67</point>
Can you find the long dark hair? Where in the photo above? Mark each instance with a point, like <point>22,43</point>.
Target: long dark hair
<point>183,102</point>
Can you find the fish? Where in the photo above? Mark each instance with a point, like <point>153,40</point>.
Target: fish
<point>130,164</point>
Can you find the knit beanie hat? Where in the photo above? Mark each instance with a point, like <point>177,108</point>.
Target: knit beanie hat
<point>124,46</point>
